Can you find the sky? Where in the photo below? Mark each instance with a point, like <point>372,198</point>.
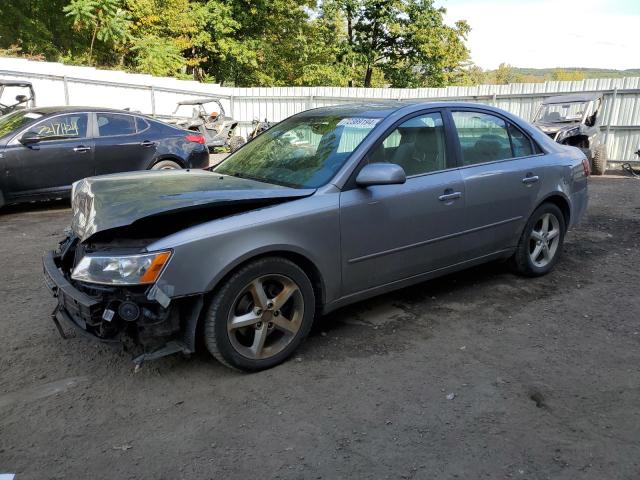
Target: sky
<point>550,33</point>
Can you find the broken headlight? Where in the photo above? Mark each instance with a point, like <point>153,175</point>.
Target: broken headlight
<point>121,270</point>
<point>567,133</point>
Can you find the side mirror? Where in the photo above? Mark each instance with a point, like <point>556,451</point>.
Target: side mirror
<point>381,174</point>
<point>30,138</point>
<point>21,98</point>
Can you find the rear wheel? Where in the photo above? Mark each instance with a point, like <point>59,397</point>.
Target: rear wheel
<point>260,315</point>
<point>541,241</point>
<point>599,160</point>
<point>165,165</point>
<point>235,142</point>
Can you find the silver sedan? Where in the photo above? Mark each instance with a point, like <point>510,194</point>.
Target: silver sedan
<point>329,207</point>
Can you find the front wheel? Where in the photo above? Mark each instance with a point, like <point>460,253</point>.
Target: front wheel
<point>541,241</point>
<point>260,315</point>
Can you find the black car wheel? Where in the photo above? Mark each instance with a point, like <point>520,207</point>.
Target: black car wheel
<point>260,315</point>
<point>541,241</point>
<point>165,165</point>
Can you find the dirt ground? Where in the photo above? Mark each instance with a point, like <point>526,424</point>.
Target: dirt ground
<point>480,374</point>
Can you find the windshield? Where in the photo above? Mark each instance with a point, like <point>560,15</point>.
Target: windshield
<point>561,112</point>
<point>302,152</point>
<point>14,121</point>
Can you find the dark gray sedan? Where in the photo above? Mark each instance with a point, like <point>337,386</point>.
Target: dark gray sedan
<point>327,208</point>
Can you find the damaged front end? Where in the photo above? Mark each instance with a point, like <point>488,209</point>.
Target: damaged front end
<point>105,279</point>
<point>139,316</point>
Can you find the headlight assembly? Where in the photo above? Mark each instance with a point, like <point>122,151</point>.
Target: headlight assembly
<point>121,270</point>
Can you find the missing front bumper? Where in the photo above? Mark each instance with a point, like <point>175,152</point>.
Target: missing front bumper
<point>158,335</point>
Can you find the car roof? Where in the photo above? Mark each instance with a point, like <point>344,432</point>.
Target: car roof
<point>572,97</point>
<point>70,108</point>
<point>385,108</point>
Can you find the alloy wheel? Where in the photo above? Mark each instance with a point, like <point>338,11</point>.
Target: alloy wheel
<point>266,316</point>
<point>544,240</point>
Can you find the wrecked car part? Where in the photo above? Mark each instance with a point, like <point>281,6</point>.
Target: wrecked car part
<point>179,198</point>
<point>575,120</point>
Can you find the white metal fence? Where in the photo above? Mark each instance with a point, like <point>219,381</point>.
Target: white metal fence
<point>58,84</point>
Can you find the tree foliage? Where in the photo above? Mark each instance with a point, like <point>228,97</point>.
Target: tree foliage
<point>399,43</point>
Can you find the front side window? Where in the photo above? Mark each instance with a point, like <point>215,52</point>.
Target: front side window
<point>417,145</point>
<point>110,124</point>
<point>304,151</point>
<point>483,137</point>
<point>16,120</point>
<point>72,125</point>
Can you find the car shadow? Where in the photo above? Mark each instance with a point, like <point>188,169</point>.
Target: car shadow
<point>36,206</point>
<point>451,286</point>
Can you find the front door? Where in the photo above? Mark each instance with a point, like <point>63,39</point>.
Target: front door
<point>393,232</point>
<point>63,155</point>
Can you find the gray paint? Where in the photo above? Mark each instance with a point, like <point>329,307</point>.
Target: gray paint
<point>365,241</point>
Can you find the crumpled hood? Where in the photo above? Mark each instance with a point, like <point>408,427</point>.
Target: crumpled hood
<point>111,201</point>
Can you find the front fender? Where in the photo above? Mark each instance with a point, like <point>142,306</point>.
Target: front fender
<point>204,254</point>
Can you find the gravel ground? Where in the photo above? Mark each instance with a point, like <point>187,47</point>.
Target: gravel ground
<point>480,374</point>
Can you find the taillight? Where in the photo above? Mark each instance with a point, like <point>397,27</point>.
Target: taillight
<point>195,138</point>
<point>586,167</point>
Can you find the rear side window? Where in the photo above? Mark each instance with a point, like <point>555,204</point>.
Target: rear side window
<point>487,138</point>
<point>519,142</point>
<point>141,124</point>
<point>111,124</point>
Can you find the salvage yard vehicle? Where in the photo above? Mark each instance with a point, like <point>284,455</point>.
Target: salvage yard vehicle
<point>329,207</point>
<point>16,95</point>
<point>44,150</point>
<point>206,116</point>
<point>575,120</point>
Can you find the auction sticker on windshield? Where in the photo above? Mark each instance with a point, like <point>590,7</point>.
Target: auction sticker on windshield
<point>359,122</point>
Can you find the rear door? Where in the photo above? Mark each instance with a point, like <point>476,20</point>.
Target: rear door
<point>502,174</point>
<point>393,232</point>
<point>123,143</point>
<point>63,155</point>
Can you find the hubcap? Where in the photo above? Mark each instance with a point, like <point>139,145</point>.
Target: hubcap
<point>265,316</point>
<point>544,240</point>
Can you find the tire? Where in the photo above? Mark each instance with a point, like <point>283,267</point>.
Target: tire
<point>599,160</point>
<point>235,142</point>
<point>166,165</point>
<point>266,332</point>
<point>546,258</point>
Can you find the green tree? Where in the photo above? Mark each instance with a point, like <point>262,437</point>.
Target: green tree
<point>567,75</point>
<point>505,74</point>
<point>106,19</point>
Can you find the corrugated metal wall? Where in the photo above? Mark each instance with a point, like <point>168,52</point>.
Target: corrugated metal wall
<point>58,84</point>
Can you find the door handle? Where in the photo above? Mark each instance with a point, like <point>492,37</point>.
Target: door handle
<point>449,195</point>
<point>81,149</point>
<point>147,143</point>
<point>530,179</point>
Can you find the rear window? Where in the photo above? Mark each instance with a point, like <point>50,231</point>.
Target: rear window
<point>111,124</point>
